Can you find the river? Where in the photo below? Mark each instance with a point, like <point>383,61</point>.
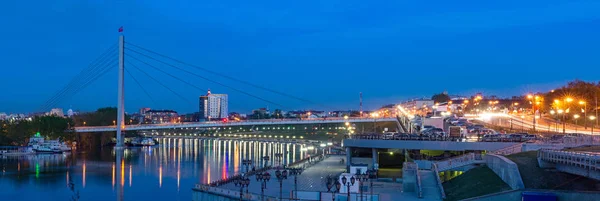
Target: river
<point>166,171</point>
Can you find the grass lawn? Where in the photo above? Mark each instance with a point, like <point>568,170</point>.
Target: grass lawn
<point>538,178</point>
<point>390,172</point>
<point>475,182</point>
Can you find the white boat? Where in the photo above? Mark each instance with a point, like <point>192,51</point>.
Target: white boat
<point>17,151</point>
<point>40,145</point>
<point>146,141</point>
<point>45,148</point>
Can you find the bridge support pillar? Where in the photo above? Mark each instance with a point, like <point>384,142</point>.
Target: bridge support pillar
<point>374,153</point>
<point>348,158</point>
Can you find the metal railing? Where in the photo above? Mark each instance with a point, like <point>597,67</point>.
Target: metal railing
<point>459,161</point>
<point>513,149</point>
<point>439,181</point>
<point>419,185</point>
<point>586,160</point>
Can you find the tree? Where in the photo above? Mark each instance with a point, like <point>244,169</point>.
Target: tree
<point>440,98</point>
<point>577,90</point>
<point>277,114</point>
<point>18,132</point>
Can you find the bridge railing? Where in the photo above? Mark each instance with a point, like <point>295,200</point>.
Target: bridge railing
<point>586,160</point>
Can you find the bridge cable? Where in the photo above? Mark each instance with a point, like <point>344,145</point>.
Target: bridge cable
<point>76,80</point>
<point>79,76</point>
<point>89,81</point>
<point>220,74</point>
<point>140,85</point>
<point>156,80</point>
<point>75,87</point>
<point>200,76</point>
<point>170,75</point>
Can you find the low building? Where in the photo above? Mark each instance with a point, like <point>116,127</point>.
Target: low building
<point>161,116</point>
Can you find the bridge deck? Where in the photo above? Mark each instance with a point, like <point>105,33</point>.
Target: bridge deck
<point>209,124</point>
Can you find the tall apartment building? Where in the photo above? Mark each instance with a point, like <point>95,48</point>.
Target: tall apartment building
<point>213,106</point>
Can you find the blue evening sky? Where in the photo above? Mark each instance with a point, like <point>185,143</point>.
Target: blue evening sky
<point>324,51</point>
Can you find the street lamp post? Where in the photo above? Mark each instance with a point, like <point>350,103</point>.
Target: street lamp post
<point>266,159</point>
<point>533,107</point>
<point>522,120</point>
<point>295,172</point>
<point>562,112</point>
<point>242,182</point>
<point>361,178</point>
<point>246,163</point>
<point>281,175</point>
<point>584,112</point>
<point>263,178</point>
<point>279,156</point>
<point>592,118</point>
<point>348,184</point>
<point>331,182</point>
<point>372,176</point>
<point>575,117</point>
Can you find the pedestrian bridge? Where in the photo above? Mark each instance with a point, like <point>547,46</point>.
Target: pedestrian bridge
<point>210,124</point>
<point>585,164</point>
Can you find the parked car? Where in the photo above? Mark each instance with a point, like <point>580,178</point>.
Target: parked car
<point>530,137</point>
<point>388,136</point>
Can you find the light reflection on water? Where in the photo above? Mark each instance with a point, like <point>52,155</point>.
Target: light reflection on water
<point>164,172</point>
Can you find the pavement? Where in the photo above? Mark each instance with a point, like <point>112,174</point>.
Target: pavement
<point>311,179</point>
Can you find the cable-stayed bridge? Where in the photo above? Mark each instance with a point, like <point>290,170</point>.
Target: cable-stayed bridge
<point>136,61</point>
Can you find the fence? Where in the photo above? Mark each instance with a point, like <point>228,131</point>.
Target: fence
<point>419,185</point>
<point>459,161</point>
<point>588,161</point>
<point>513,149</point>
<point>439,181</point>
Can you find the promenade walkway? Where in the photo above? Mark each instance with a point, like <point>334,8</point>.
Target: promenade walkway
<point>312,179</point>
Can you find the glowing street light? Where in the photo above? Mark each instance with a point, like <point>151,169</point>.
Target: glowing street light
<point>569,99</point>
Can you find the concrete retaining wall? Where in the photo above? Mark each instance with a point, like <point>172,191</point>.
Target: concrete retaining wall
<point>515,195</point>
<point>507,170</point>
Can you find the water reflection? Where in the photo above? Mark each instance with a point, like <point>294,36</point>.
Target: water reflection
<point>164,172</point>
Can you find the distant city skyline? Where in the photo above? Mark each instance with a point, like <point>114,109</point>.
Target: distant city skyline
<point>325,52</point>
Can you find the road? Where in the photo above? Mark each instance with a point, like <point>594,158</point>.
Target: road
<point>543,124</point>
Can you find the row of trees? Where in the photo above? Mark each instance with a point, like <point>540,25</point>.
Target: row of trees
<point>578,96</point>
<point>53,127</point>
<point>18,132</point>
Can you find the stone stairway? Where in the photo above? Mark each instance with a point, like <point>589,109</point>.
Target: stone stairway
<point>431,190</point>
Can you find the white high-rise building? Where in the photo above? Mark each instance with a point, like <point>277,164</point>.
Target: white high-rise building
<point>70,112</point>
<point>213,106</point>
<point>57,112</point>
